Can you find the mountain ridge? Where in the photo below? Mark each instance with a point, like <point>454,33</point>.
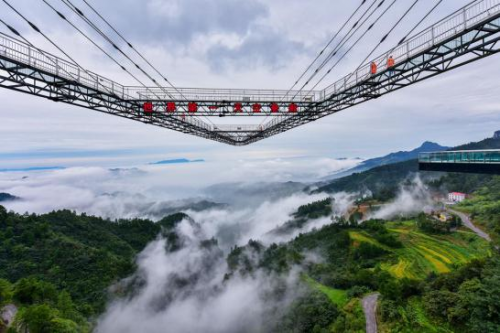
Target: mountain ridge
<point>177,161</point>
<point>395,157</point>
<point>393,174</point>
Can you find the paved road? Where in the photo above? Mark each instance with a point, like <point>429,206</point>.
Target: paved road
<point>370,309</point>
<point>468,223</point>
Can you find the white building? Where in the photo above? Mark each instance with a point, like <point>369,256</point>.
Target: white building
<point>456,197</point>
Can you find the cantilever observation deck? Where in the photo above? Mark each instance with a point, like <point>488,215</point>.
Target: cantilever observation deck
<point>466,161</point>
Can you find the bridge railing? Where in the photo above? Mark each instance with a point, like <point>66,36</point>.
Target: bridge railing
<point>236,128</point>
<point>16,50</point>
<point>219,95</point>
<point>472,14</point>
<point>21,52</point>
<point>471,156</point>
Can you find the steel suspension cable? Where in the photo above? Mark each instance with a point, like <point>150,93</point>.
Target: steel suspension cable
<point>354,29</point>
<point>107,38</point>
<point>104,51</point>
<point>17,33</point>
<point>386,36</point>
<point>341,44</point>
<point>94,43</point>
<point>34,27</point>
<point>103,35</point>
<point>348,36</point>
<point>352,32</point>
<point>94,26</point>
<point>130,45</point>
<point>326,47</point>
<point>420,22</point>
<point>353,45</point>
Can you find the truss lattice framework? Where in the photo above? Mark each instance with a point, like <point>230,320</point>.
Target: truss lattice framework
<point>467,35</point>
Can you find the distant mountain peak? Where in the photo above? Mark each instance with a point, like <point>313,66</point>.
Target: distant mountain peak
<point>4,197</point>
<point>432,146</point>
<point>177,161</point>
<point>400,156</point>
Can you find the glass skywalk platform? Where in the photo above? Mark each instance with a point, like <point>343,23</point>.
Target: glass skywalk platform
<point>467,161</point>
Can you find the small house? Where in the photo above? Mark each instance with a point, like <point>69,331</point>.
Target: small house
<point>456,197</point>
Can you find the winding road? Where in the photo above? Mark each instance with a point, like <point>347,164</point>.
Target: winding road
<point>370,309</point>
<point>468,223</point>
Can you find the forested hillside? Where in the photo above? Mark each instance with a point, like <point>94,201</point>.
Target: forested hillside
<point>57,267</point>
<point>383,182</point>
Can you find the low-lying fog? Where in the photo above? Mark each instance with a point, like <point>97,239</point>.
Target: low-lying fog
<point>144,191</point>
<point>250,206</point>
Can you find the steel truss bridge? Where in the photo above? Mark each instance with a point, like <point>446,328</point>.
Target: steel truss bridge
<point>469,34</point>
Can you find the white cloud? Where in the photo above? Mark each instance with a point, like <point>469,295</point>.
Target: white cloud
<point>185,292</point>
<point>131,192</point>
<point>412,198</point>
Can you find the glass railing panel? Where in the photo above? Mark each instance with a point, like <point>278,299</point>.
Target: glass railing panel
<point>461,157</point>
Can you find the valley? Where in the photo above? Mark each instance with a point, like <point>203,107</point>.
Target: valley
<point>340,261</point>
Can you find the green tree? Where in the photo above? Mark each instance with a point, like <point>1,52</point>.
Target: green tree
<point>3,214</point>
<point>43,319</point>
<point>5,291</point>
<point>66,306</point>
<point>31,290</point>
<point>36,318</point>
<point>59,325</point>
<point>311,313</point>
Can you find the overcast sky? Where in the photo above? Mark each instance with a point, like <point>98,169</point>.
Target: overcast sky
<point>237,44</point>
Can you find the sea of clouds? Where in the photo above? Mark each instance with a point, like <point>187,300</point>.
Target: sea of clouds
<point>133,192</point>
<point>186,290</point>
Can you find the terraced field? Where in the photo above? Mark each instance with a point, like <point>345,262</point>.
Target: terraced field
<point>422,253</point>
<point>360,237</point>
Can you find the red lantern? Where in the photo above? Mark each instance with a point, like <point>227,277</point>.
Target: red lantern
<point>293,108</point>
<point>147,107</point>
<point>192,107</point>
<point>275,107</point>
<point>238,107</point>
<point>171,107</point>
<point>257,108</point>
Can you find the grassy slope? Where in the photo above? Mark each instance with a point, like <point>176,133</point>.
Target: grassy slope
<point>350,307</point>
<point>337,296</point>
